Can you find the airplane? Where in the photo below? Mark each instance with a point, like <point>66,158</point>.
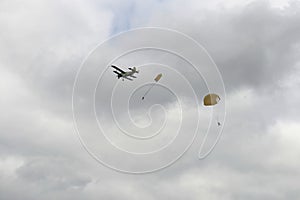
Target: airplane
<point>125,74</point>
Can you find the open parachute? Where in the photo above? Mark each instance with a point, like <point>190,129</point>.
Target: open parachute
<point>211,99</point>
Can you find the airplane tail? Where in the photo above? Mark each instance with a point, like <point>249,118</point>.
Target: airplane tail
<point>135,70</point>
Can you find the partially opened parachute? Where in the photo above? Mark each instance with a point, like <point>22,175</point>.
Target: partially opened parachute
<point>156,79</point>
<point>211,99</point>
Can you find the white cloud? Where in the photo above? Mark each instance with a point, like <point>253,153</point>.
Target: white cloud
<point>9,165</point>
<point>256,46</point>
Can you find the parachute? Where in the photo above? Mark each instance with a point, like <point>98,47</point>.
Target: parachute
<point>211,99</point>
<point>156,79</point>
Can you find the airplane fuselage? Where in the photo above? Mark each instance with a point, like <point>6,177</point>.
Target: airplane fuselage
<point>129,73</point>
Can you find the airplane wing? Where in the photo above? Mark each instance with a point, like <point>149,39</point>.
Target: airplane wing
<point>128,78</point>
<point>117,72</point>
<point>133,76</point>
<point>117,68</point>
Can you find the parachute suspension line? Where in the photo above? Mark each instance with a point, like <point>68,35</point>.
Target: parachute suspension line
<point>156,79</point>
<point>148,90</point>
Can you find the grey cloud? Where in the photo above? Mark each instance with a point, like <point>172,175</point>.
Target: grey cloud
<point>255,47</point>
<point>252,45</point>
<point>54,172</point>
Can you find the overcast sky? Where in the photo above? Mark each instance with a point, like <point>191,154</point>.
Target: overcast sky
<point>254,43</point>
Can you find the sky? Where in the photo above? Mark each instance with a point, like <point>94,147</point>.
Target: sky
<point>255,46</point>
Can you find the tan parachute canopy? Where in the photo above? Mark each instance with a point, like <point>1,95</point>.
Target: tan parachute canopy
<point>211,99</point>
<point>158,77</point>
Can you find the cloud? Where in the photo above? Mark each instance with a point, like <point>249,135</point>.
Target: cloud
<point>255,45</point>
